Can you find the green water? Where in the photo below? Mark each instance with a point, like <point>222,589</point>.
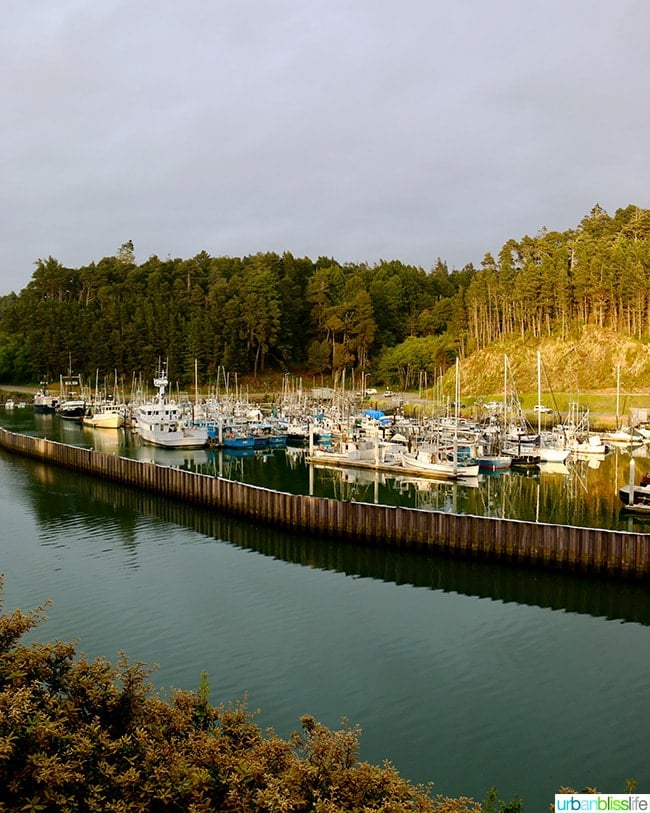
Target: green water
<point>463,673</point>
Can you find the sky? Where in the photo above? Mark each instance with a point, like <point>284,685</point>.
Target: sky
<point>362,130</point>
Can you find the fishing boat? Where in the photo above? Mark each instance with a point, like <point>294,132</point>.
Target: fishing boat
<point>494,462</point>
<point>104,415</point>
<point>105,410</point>
<point>44,402</point>
<point>237,438</point>
<point>72,404</point>
<point>163,422</point>
<point>428,462</point>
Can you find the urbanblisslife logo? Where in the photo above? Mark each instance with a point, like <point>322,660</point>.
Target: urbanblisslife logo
<point>602,801</point>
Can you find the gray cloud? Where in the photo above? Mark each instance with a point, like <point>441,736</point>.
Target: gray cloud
<point>358,129</point>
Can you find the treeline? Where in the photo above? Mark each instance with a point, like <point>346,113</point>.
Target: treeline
<point>270,311</point>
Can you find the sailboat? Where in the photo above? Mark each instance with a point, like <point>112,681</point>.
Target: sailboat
<point>623,436</point>
<point>493,458</point>
<point>519,442</point>
<point>437,459</point>
<point>551,450</point>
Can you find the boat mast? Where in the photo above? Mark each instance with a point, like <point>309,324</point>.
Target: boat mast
<point>539,393</point>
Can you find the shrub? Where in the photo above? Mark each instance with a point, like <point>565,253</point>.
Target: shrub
<point>89,736</point>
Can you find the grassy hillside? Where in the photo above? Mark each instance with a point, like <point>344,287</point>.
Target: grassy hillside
<point>585,364</point>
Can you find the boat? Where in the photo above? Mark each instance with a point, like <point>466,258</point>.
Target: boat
<point>552,448</point>
<point>44,402</point>
<point>234,438</point>
<point>104,415</point>
<point>494,462</point>
<point>522,453</point>
<point>348,450</point>
<point>579,438</point>
<point>624,437</point>
<point>430,462</point>
<point>10,403</point>
<point>105,410</point>
<point>72,404</point>
<point>165,423</point>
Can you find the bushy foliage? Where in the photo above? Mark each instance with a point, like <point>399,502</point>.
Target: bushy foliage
<point>89,736</point>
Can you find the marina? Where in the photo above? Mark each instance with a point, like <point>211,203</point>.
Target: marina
<point>506,538</point>
<point>582,491</point>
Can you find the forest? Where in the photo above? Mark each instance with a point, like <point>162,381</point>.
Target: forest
<point>271,312</point>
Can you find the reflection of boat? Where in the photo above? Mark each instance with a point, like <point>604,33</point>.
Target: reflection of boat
<point>108,442</point>
<point>636,497</point>
<point>553,467</point>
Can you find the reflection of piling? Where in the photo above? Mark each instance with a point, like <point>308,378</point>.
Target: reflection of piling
<point>611,553</point>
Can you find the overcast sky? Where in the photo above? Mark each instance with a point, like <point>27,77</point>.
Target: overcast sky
<point>356,129</point>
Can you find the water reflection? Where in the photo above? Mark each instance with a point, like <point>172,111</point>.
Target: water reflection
<point>58,497</point>
<point>583,492</point>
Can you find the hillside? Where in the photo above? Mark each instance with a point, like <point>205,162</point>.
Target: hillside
<point>585,363</point>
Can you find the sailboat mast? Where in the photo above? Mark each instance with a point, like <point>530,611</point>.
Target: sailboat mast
<point>539,392</point>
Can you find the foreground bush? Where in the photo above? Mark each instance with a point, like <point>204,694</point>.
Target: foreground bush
<point>89,736</point>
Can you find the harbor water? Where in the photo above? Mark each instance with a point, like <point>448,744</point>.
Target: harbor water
<point>467,674</point>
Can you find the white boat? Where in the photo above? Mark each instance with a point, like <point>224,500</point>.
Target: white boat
<point>104,415</point>
<point>165,423</point>
<point>551,448</point>
<point>363,451</point>
<point>624,437</point>
<point>579,438</point>
<point>105,411</point>
<point>428,462</point>
<point>549,453</point>
<point>589,445</point>
<point>44,402</point>
<point>10,403</point>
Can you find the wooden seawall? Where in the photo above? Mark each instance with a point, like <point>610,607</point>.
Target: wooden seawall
<point>594,550</point>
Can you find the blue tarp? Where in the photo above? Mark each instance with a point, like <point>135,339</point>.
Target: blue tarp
<point>373,413</point>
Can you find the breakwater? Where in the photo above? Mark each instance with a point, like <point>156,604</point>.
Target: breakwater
<point>606,552</point>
